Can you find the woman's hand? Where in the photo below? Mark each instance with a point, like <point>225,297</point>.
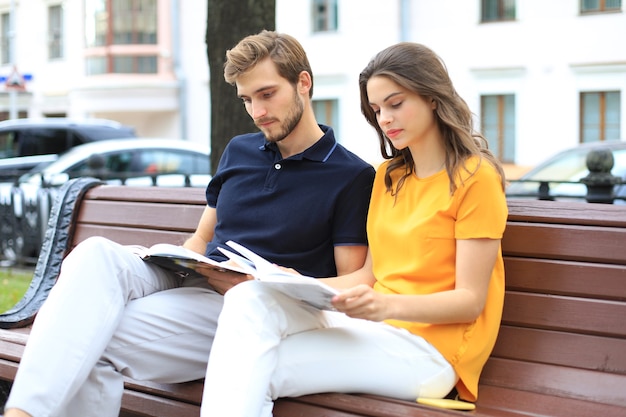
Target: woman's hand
<point>363,302</point>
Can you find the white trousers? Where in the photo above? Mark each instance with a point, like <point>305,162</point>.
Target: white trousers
<point>268,345</point>
<point>112,314</point>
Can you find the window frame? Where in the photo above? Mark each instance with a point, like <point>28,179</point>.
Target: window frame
<point>500,13</point>
<point>56,32</point>
<point>326,21</point>
<point>107,54</point>
<point>505,144</point>
<point>5,36</point>
<point>603,126</point>
<point>327,112</point>
<point>602,7</point>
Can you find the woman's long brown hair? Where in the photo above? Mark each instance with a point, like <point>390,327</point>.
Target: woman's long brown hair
<point>417,68</point>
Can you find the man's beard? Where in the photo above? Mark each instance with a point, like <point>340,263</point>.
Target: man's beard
<point>291,121</point>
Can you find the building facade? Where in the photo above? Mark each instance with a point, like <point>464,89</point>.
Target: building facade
<point>540,76</point>
<point>140,62</point>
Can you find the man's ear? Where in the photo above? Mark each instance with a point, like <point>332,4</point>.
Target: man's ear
<point>304,82</point>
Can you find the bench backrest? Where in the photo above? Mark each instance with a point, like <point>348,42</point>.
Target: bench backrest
<point>139,216</point>
<point>563,327</point>
<point>563,330</point>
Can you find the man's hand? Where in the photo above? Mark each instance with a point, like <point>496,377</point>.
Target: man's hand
<point>222,280</point>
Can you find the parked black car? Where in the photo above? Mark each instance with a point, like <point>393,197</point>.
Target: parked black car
<point>559,177</point>
<point>26,143</point>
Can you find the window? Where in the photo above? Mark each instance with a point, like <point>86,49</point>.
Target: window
<point>595,6</point>
<point>324,15</point>
<point>35,141</point>
<point>5,23</point>
<point>600,116</point>
<point>497,10</point>
<point>326,112</point>
<point>498,125</point>
<point>122,23</point>
<point>55,32</point>
<point>135,64</point>
<point>134,22</point>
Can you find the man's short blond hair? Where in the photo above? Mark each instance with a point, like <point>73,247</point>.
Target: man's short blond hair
<point>284,50</point>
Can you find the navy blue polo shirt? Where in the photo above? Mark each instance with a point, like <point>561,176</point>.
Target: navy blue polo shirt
<point>291,211</point>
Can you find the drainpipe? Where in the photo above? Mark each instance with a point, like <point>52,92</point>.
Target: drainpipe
<point>178,71</point>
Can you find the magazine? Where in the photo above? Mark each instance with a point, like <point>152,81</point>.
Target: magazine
<point>184,263</point>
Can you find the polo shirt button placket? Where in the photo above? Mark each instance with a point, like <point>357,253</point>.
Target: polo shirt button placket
<point>277,166</point>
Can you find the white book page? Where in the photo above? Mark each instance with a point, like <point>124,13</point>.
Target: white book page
<point>300,287</point>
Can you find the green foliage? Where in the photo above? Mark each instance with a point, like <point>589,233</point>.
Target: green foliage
<point>13,285</point>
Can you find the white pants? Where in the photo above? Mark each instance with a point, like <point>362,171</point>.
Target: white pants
<point>112,314</point>
<point>268,345</point>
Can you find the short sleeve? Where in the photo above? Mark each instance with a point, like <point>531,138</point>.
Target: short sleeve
<point>482,209</point>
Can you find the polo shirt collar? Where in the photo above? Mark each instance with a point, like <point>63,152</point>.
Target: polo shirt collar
<point>320,151</point>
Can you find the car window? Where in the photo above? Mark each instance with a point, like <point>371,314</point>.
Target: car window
<point>195,164</point>
<point>141,161</point>
<point>173,162</point>
<point>36,141</point>
<point>570,167</point>
<point>160,161</point>
<point>106,165</point>
<point>8,145</point>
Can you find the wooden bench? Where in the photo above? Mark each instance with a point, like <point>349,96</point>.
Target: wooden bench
<point>562,344</point>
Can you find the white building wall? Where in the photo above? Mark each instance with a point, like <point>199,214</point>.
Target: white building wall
<point>546,57</point>
<point>337,58</point>
<point>157,106</point>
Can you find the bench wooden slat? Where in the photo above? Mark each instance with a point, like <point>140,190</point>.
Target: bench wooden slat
<point>195,196</point>
<point>577,243</point>
<point>10,351</point>
<point>288,407</point>
<point>189,392</point>
<point>8,369</point>
<point>567,213</point>
<point>340,405</point>
<point>131,236</point>
<point>559,348</point>
<point>139,404</point>
<point>500,400</point>
<point>566,278</point>
<point>173,217</point>
<point>577,315</point>
<point>559,381</point>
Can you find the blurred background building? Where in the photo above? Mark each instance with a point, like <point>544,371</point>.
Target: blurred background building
<point>540,76</point>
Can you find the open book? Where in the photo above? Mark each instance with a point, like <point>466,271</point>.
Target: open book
<point>184,262</point>
<point>181,260</point>
<point>307,289</point>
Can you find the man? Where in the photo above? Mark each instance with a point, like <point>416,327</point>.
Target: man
<point>289,193</point>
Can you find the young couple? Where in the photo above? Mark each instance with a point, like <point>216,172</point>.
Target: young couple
<point>419,307</point>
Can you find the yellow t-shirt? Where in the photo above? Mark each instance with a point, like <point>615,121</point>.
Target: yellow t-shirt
<point>412,240</point>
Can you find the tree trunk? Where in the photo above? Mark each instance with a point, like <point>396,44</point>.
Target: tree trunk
<point>228,22</point>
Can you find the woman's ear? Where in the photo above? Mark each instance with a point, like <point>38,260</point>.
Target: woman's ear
<point>433,104</point>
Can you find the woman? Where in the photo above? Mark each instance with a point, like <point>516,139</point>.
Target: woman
<point>422,315</point>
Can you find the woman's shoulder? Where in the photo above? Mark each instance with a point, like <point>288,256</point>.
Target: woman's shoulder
<point>477,167</point>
